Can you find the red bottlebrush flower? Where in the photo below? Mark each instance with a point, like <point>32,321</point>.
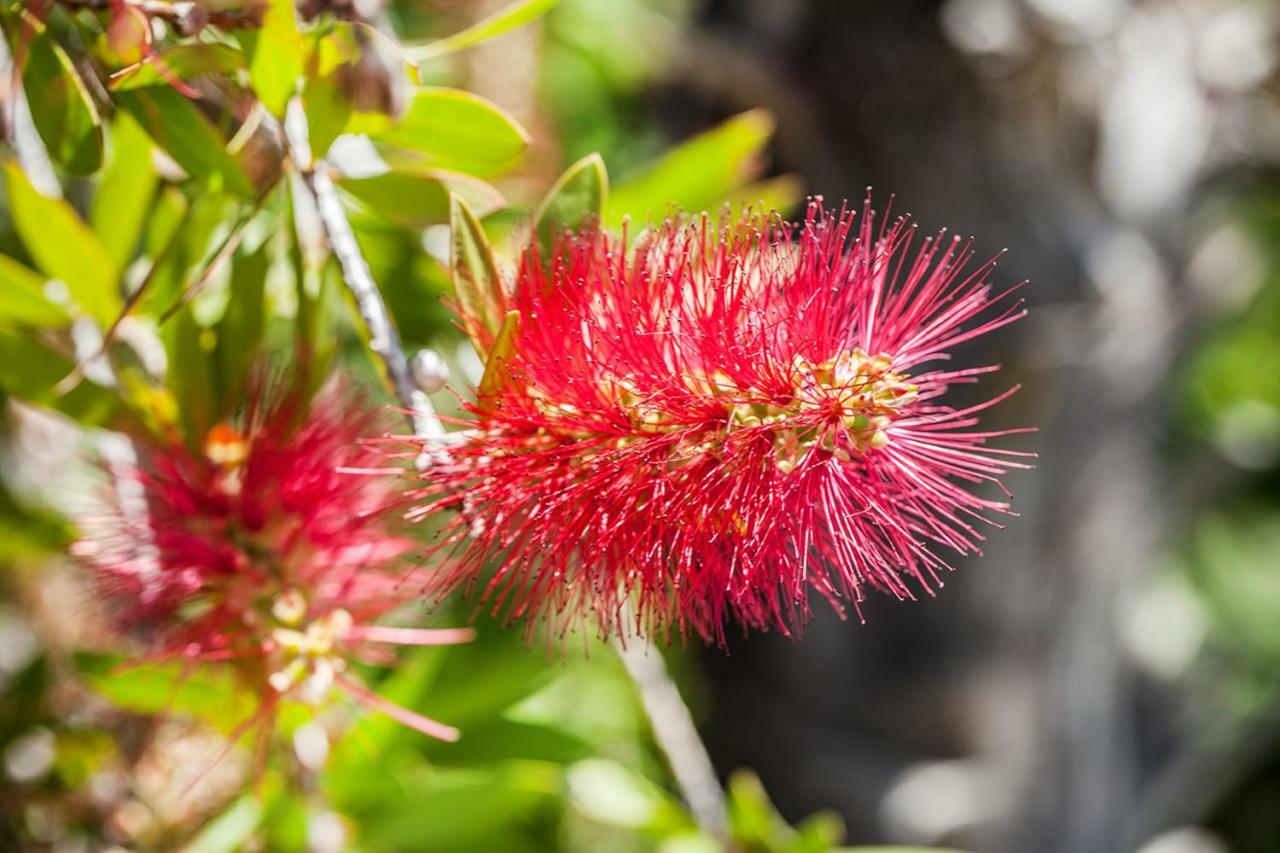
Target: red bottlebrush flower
<point>724,417</point>
<point>261,551</point>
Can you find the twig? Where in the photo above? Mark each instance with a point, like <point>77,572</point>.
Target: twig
<point>384,340</point>
<point>677,736</point>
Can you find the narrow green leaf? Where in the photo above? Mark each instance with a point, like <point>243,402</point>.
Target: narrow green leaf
<point>29,371</point>
<point>699,174</point>
<point>781,194</point>
<point>493,740</point>
<point>64,114</point>
<point>231,830</point>
<point>191,374</point>
<point>63,246</point>
<point>496,373</point>
<point>476,279</point>
<point>148,688</point>
<point>241,328</point>
<point>508,18</point>
<point>579,195</point>
<point>180,62</point>
<point>456,130</point>
<point>183,132</point>
<point>125,193</point>
<point>24,297</point>
<point>419,200</point>
<point>275,52</point>
<point>328,110</point>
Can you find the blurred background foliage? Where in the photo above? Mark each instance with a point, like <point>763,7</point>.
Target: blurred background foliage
<point>1106,678</point>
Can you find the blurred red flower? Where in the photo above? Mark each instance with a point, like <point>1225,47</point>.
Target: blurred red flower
<point>260,550</point>
<point>723,417</point>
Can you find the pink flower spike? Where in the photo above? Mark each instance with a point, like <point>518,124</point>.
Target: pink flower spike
<point>412,719</point>
<point>411,636</point>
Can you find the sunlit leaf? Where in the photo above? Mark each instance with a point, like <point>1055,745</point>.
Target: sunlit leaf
<point>231,830</point>
<point>781,194</point>
<point>476,280</point>
<point>327,109</point>
<point>203,692</point>
<point>615,795</point>
<point>699,174</point>
<point>63,246</point>
<point>61,107</point>
<point>421,199</point>
<point>578,196</point>
<point>451,129</point>
<point>24,297</point>
<point>504,20</point>
<point>183,132</point>
<point>124,194</point>
<point>275,53</point>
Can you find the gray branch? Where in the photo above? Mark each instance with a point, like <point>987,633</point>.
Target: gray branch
<point>677,736</point>
<point>384,340</point>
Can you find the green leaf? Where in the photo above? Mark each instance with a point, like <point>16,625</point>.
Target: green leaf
<point>191,374</point>
<point>183,132</point>
<point>125,192</point>
<point>181,62</point>
<point>328,110</point>
<point>63,111</point>
<point>455,130</point>
<point>241,328</point>
<point>29,371</point>
<point>63,246</point>
<point>579,195</point>
<point>509,18</point>
<point>275,52</point>
<point>615,795</point>
<point>203,692</point>
<point>476,280</point>
<point>421,199</point>
<point>781,194</point>
<point>24,297</point>
<point>699,174</point>
<point>463,810</point>
<point>180,236</point>
<point>231,830</point>
<point>494,740</point>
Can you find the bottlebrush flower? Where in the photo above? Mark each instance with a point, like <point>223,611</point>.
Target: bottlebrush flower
<point>258,551</point>
<point>722,418</point>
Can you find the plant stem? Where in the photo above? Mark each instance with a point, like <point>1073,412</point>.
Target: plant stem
<point>677,736</point>
<point>384,340</point>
